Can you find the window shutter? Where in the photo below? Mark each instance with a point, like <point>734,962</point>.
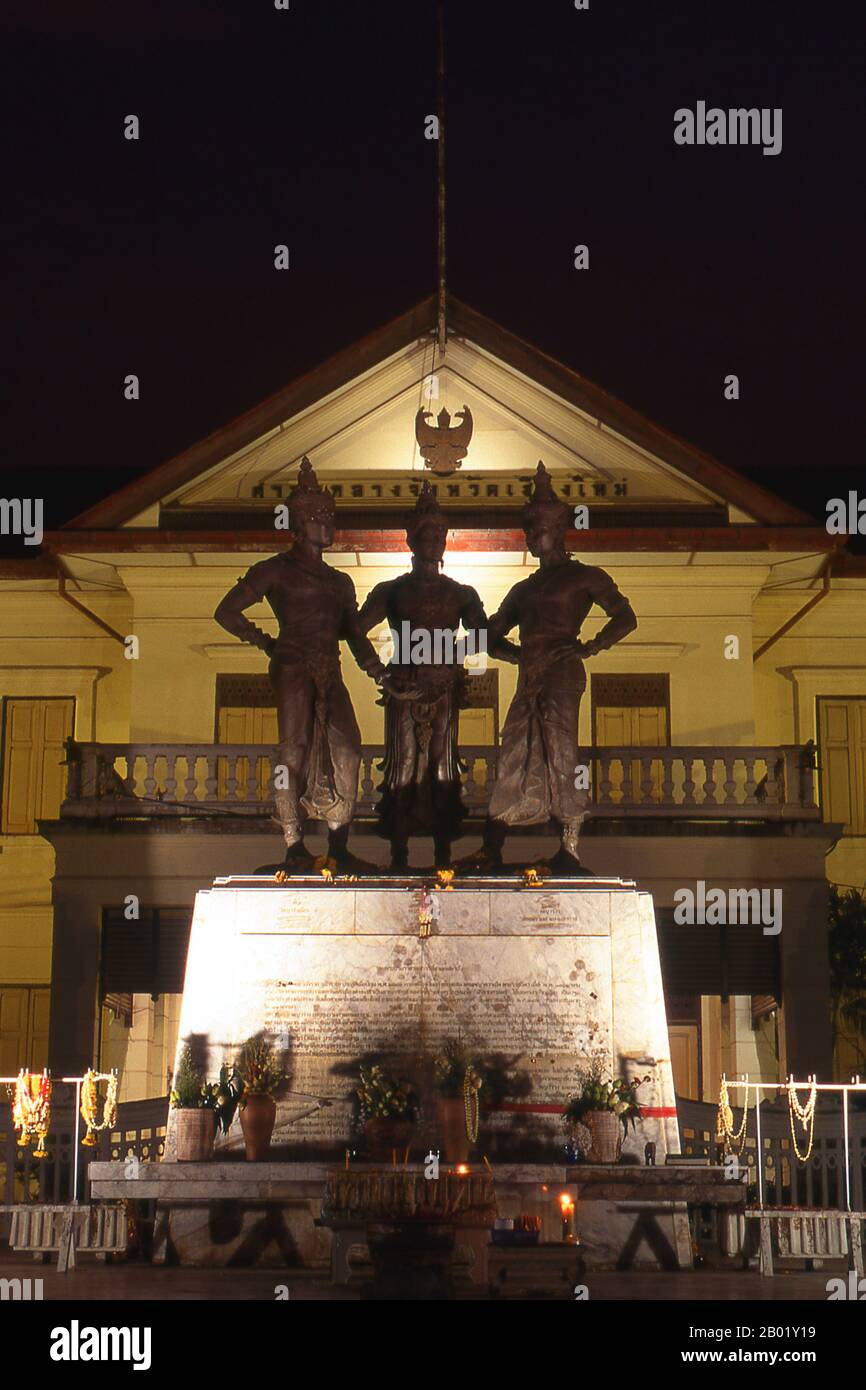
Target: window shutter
<point>147,956</point>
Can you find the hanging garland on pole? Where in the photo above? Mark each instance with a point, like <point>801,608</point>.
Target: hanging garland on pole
<point>734,1140</point>
<point>90,1104</point>
<point>31,1110</point>
<point>805,1114</point>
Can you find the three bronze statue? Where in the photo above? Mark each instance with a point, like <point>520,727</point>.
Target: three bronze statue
<point>422,687</point>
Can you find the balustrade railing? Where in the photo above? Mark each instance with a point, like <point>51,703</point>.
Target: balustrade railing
<point>112,779</point>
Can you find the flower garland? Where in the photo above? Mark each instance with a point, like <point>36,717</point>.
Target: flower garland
<point>31,1109</point>
<point>471,1087</point>
<point>806,1115</point>
<point>90,1104</point>
<point>735,1141</point>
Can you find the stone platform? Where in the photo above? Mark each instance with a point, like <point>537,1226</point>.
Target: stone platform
<point>233,1214</point>
<point>535,979</point>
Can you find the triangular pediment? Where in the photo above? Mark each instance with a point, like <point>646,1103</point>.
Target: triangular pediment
<point>362,443</point>
<point>355,418</point>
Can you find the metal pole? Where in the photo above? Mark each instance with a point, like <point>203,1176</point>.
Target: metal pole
<point>440,166</point>
<point>760,1142</point>
<point>847,1159</point>
<point>76,1081</point>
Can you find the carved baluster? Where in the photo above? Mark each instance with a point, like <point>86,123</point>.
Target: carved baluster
<point>170,788</point>
<point>605,785</point>
<point>730,785</point>
<point>667,761</point>
<point>367,777</point>
<point>232,776</point>
<point>150,758</point>
<point>750,783</point>
<point>772,785</point>
<point>647,784</point>
<point>626,784</point>
<point>189,782</point>
<point>689,783</point>
<point>710,780</point>
<point>211,781</point>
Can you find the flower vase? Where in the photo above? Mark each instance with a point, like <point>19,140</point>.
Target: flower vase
<point>451,1121</point>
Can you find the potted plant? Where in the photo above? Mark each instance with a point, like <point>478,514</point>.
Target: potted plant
<point>387,1110</point>
<point>604,1106</point>
<point>197,1117</point>
<point>260,1076</point>
<point>456,1084</point>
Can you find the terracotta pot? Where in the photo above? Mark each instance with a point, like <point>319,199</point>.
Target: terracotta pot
<point>451,1119</point>
<point>385,1137</point>
<point>606,1130</point>
<point>195,1135</point>
<point>258,1115</point>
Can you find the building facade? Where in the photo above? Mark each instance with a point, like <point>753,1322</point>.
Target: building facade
<point>726,737</point>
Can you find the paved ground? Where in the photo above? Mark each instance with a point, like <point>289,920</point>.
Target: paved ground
<point>94,1282</point>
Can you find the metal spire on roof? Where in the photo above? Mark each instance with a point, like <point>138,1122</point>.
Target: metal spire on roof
<point>440,164</point>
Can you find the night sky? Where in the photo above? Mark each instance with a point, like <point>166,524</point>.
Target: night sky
<point>260,126</point>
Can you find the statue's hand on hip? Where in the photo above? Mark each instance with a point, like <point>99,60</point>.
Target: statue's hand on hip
<point>570,648</point>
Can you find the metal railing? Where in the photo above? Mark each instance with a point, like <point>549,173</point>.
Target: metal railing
<point>818,1183</point>
<point>723,783</point>
<point>25,1180</point>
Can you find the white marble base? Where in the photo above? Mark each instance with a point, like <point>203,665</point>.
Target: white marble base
<point>539,977</point>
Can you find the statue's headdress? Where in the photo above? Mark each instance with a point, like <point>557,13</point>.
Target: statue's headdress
<point>427,513</point>
<point>544,505</point>
<point>309,501</point>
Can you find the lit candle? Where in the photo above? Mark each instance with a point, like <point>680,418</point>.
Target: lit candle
<point>566,1207</point>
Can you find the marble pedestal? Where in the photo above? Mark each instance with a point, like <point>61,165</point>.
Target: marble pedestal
<point>536,980</point>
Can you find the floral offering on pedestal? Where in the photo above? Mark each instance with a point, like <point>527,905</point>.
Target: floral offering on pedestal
<point>387,1110</point>
<point>604,1107</point>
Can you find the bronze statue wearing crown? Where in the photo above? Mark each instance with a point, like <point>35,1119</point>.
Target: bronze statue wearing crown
<point>424,609</point>
<point>315,608</point>
<point>535,779</point>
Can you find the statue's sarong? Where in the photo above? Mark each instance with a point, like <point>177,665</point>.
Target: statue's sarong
<point>538,757</point>
<point>420,790</point>
<point>320,741</point>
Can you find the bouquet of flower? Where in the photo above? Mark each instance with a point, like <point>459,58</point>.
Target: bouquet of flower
<point>380,1097</point>
<point>599,1093</point>
<point>258,1069</point>
<point>452,1067</point>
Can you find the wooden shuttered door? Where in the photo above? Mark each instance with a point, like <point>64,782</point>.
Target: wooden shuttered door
<point>147,956</point>
<point>716,960</point>
<point>34,775</point>
<point>245,713</point>
<point>23,1027</point>
<point>842,759</point>
<point>631,712</point>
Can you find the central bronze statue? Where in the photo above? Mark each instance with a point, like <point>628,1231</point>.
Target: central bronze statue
<point>536,772</point>
<point>424,609</point>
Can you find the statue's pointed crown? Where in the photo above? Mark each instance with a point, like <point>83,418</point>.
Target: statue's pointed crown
<point>310,499</point>
<point>544,502</point>
<point>427,512</point>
